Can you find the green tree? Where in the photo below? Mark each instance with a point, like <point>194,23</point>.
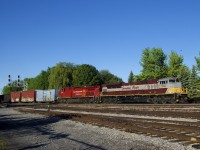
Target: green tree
<point>6,90</point>
<point>175,64</point>
<point>85,74</point>
<point>198,62</point>
<point>193,84</point>
<point>61,75</point>
<point>184,75</point>
<point>138,77</point>
<point>115,79</point>
<point>153,64</point>
<point>32,83</point>
<point>198,71</point>
<point>130,77</point>
<point>40,81</point>
<point>12,88</point>
<point>108,77</point>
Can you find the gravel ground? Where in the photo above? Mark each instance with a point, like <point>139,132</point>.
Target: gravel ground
<point>31,131</point>
<point>120,115</point>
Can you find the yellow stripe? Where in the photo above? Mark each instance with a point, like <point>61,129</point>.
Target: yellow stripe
<point>176,90</point>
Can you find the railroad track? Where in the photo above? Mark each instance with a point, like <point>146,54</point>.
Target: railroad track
<point>170,127</point>
<point>177,111</point>
<point>173,130</point>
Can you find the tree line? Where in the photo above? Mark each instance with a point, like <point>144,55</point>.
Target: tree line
<point>66,74</point>
<point>155,65</point>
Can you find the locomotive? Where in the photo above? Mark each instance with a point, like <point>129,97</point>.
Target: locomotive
<point>166,90</point>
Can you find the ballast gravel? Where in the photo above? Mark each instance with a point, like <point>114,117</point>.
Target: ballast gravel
<point>19,131</point>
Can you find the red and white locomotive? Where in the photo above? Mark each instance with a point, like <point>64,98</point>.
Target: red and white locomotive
<point>167,90</point>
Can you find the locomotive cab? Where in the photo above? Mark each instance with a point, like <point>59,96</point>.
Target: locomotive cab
<point>173,86</point>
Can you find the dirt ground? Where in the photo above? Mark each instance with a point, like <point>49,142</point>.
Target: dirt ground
<point>23,131</point>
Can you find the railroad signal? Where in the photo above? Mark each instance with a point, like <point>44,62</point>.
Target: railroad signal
<point>18,81</point>
<point>9,80</point>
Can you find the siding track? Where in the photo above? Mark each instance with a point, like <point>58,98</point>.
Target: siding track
<point>176,123</point>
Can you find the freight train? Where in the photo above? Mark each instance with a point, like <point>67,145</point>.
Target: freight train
<point>166,90</point>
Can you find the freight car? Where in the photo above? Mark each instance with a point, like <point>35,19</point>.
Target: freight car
<point>5,98</point>
<point>167,90</point>
<point>34,96</point>
<point>28,96</point>
<point>46,95</point>
<point>15,97</point>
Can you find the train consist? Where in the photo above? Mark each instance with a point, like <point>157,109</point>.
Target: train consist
<point>34,96</point>
<point>167,90</point>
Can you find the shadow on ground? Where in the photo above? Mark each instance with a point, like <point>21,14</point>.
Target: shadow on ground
<point>21,127</point>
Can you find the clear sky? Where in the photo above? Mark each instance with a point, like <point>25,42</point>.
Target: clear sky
<point>108,34</point>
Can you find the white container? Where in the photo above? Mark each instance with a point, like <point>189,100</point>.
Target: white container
<point>46,95</point>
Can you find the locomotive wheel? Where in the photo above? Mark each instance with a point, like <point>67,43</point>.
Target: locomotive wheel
<point>155,101</point>
<point>172,101</point>
<point>163,101</point>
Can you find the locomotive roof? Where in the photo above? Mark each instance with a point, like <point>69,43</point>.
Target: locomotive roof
<point>113,85</point>
<point>154,81</point>
<point>169,78</point>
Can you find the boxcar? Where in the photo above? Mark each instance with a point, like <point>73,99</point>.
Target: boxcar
<point>28,96</point>
<point>15,97</point>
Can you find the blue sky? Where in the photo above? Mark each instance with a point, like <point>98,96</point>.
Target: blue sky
<point>108,34</point>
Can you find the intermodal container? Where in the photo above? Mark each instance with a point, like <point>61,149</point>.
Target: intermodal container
<point>6,98</point>
<point>1,98</point>
<point>46,95</point>
<point>15,97</point>
<point>39,95</point>
<point>28,96</point>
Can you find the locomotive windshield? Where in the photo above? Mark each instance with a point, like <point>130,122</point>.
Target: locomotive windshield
<point>172,80</point>
<point>168,81</point>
